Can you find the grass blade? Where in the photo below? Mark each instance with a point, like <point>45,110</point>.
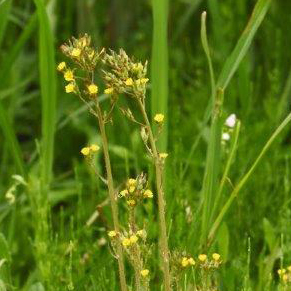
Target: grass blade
<point>159,66</point>
<point>48,91</point>
<point>4,12</point>
<point>210,182</point>
<point>246,177</point>
<point>243,43</point>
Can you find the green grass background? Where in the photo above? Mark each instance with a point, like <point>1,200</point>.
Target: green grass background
<point>45,242</point>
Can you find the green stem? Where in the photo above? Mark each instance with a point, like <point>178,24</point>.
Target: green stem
<point>110,186</point>
<point>161,200</point>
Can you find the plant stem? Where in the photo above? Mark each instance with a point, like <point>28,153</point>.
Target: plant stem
<point>161,200</point>
<point>110,186</point>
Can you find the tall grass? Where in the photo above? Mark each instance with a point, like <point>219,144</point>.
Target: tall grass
<point>159,66</point>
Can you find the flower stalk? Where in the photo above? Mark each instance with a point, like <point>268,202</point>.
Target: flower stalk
<point>164,249</point>
<point>114,208</point>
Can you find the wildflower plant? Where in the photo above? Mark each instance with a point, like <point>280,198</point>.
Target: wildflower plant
<point>122,76</point>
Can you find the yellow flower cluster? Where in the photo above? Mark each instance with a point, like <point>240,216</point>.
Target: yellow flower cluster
<point>187,262</point>
<point>134,192</point>
<point>202,261</point>
<point>124,75</point>
<point>285,275</point>
<point>126,242</point>
<point>86,151</point>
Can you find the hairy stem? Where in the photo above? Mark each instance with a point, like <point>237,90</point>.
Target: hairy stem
<point>161,200</point>
<point>110,186</point>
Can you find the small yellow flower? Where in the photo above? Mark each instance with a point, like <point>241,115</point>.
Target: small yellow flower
<point>184,262</point>
<point>163,155</point>
<point>285,277</point>
<point>133,239</point>
<point>131,202</point>
<point>281,271</point>
<point>108,91</point>
<point>159,118</point>
<point>131,182</point>
<point>129,82</point>
<point>69,75</point>
<point>216,257</point>
<point>112,233</point>
<point>144,272</point>
<point>85,151</point>
<point>191,261</point>
<point>202,257</point>
<point>289,268</point>
<point>137,67</point>
<point>148,194</point>
<point>75,52</point>
<point>126,242</point>
<point>144,80</point>
<point>131,189</point>
<point>123,193</point>
<point>61,66</point>
<point>92,89</point>
<point>94,148</point>
<point>70,88</point>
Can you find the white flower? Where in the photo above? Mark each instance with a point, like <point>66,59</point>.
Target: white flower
<point>225,136</point>
<point>230,120</point>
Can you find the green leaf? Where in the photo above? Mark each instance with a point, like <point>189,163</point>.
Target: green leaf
<point>243,43</point>
<point>48,91</point>
<point>223,241</point>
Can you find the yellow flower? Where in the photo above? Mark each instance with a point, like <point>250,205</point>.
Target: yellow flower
<point>131,202</point>
<point>131,189</point>
<point>144,80</point>
<point>133,239</point>
<point>131,182</point>
<point>285,277</point>
<point>159,118</point>
<point>129,82</point>
<point>216,257</point>
<point>61,66</point>
<point>123,193</point>
<point>94,148</point>
<point>69,75</point>
<point>289,268</point>
<point>85,151</point>
<point>281,271</point>
<point>202,257</point>
<point>70,88</point>
<point>191,261</point>
<point>92,89</point>
<point>126,242</point>
<point>144,272</point>
<point>163,155</point>
<point>112,233</point>
<point>76,52</point>
<point>108,91</point>
<point>184,262</point>
<point>148,194</point>
<point>137,67</point>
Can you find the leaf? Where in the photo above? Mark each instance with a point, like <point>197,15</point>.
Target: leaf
<point>48,91</point>
<point>223,241</point>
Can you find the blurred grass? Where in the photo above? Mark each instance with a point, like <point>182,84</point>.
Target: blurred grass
<point>257,81</point>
